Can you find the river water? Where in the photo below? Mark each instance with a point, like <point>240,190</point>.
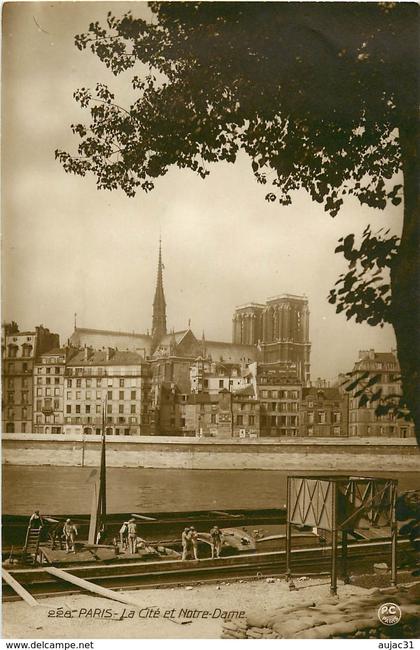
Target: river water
<point>62,490</point>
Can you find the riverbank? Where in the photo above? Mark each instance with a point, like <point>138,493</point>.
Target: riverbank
<point>20,621</point>
<point>194,612</point>
<point>297,454</point>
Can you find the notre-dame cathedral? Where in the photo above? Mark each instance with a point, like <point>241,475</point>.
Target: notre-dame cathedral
<point>274,332</point>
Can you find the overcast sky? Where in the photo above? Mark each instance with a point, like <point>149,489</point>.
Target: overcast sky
<point>68,247</point>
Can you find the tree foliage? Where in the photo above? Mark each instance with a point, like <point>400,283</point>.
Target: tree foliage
<point>360,385</point>
<point>321,96</point>
<point>230,76</point>
<point>364,291</point>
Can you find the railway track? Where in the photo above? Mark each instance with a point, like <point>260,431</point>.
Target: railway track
<point>140,575</point>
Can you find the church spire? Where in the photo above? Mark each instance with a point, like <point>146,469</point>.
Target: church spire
<point>159,305</point>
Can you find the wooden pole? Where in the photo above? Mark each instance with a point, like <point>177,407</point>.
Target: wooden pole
<point>288,534</point>
<point>394,534</point>
<point>344,557</point>
<point>333,588</point>
<point>93,525</point>
<point>103,472</point>
<point>83,449</point>
<point>21,591</point>
<point>90,586</point>
<point>144,518</point>
<point>334,542</point>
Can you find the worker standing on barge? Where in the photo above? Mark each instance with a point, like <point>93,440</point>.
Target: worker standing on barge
<point>35,520</point>
<point>124,536</point>
<point>186,543</point>
<point>69,534</point>
<point>132,536</point>
<point>194,542</point>
<point>216,541</point>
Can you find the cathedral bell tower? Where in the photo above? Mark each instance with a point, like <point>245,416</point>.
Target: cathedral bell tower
<point>159,306</point>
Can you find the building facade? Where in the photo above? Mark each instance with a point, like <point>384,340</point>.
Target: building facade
<point>324,412</point>
<point>19,351</point>
<point>211,377</point>
<point>109,387</point>
<point>225,414</point>
<point>279,392</point>
<point>363,421</point>
<point>48,399</point>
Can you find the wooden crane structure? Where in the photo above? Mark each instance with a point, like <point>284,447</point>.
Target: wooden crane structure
<point>339,505</point>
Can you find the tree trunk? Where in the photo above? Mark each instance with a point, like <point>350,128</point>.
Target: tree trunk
<point>405,275</point>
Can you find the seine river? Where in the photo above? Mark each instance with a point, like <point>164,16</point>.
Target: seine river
<point>62,490</point>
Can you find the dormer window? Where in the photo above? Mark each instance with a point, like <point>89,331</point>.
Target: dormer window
<point>13,351</point>
<point>26,350</point>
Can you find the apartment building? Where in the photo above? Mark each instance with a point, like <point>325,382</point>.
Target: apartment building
<point>48,389</point>
<point>363,421</point>
<point>19,351</point>
<point>211,377</point>
<point>108,384</point>
<point>279,390</point>
<point>323,412</point>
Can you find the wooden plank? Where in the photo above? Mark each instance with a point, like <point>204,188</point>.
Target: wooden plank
<point>144,517</point>
<point>90,586</point>
<point>225,514</point>
<point>21,591</point>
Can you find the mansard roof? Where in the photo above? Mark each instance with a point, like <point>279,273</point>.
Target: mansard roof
<point>388,357</point>
<point>53,352</point>
<point>332,394</point>
<point>246,391</point>
<point>230,352</point>
<point>98,339</point>
<point>99,358</point>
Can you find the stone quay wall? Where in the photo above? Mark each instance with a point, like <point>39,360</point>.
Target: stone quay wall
<point>350,455</point>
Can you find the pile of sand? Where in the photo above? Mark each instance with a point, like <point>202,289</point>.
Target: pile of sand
<point>319,617</point>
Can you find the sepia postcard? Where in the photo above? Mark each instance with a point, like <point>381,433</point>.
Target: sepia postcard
<point>210,316</point>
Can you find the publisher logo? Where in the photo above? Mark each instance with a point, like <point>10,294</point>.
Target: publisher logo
<point>389,613</point>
